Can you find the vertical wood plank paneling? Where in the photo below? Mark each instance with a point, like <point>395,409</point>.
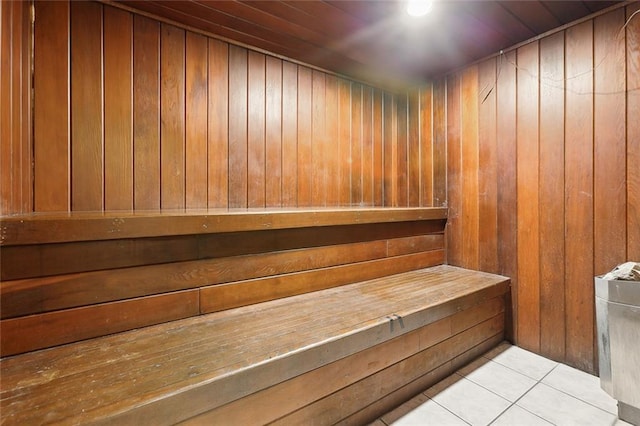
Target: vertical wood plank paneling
<point>528,198</point>
<point>609,142</point>
<point>506,164</point>
<point>414,156</point>
<point>305,159</point>
<point>318,139</point>
<point>356,144</point>
<point>7,11</point>
<point>427,152</point>
<point>87,162</point>
<point>378,148</point>
<point>402,163</point>
<point>273,132</point>
<point>218,124</point>
<point>440,143</point>
<point>289,134</point>
<point>367,146</point>
<point>551,185</point>
<point>579,196</point>
<point>238,127</point>
<point>51,107</point>
<point>172,115</point>
<point>388,152</point>
<point>469,153</point>
<point>15,109</point>
<point>344,133</point>
<point>454,172</point>
<point>256,129</point>
<point>633,133</point>
<point>332,141</point>
<point>487,170</point>
<point>146,113</point>
<point>118,109</point>
<point>196,113</point>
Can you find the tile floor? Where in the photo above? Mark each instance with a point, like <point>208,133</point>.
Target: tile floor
<point>510,386</point>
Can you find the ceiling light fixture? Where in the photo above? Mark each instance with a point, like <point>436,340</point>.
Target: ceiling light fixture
<point>419,7</point>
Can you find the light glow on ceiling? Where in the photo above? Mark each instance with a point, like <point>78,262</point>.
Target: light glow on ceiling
<point>419,8</point>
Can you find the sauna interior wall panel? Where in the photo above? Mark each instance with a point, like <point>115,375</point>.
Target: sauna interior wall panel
<point>578,190</point>
<point>164,118</point>
<point>633,133</point>
<point>15,109</point>
<point>566,202</point>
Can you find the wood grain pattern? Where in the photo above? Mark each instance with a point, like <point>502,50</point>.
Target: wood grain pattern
<point>427,152</point>
<point>367,146</point>
<point>633,135</point>
<point>332,147</point>
<point>439,143</point>
<point>51,108</point>
<point>414,156</point>
<point>304,147</point>
<point>579,196</point>
<point>118,109</point>
<point>378,148</point>
<point>275,402</point>
<point>16,114</point>
<point>238,139</point>
<point>487,176</point>
<point>551,190</point>
<point>528,198</point>
<point>227,296</point>
<point>172,117</point>
<point>402,153</point>
<point>389,151</point>
<point>277,344</point>
<point>344,147</point>
<point>218,122</point>
<point>273,132</point>
<point>146,113</point>
<point>256,95</point>
<point>87,162</point>
<point>454,171</point>
<point>34,332</point>
<point>319,149</point>
<point>506,171</point>
<point>356,145</point>
<point>196,115</point>
<point>609,192</point>
<point>469,147</point>
<point>289,134</point>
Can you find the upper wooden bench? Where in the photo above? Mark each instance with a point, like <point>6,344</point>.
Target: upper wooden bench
<point>343,354</point>
<point>70,277</point>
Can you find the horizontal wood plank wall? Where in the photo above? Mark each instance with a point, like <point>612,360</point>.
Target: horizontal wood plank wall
<point>163,118</point>
<point>566,203</point>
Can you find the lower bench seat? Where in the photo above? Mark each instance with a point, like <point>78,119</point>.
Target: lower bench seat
<point>345,354</point>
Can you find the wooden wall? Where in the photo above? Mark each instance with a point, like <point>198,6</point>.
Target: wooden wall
<point>15,108</point>
<point>544,176</point>
<point>131,113</point>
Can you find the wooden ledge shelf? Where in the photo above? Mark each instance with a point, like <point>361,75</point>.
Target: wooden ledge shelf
<point>41,228</point>
<point>171,372</point>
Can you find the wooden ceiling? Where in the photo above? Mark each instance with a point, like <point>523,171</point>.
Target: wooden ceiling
<point>375,41</point>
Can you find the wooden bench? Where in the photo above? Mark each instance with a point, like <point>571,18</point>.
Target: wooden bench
<point>333,340</point>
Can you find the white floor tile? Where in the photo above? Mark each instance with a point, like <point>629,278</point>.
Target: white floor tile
<point>428,413</point>
<point>561,409</point>
<point>522,361</point>
<point>519,416</point>
<point>405,408</point>
<point>497,378</point>
<point>468,400</point>
<point>582,385</point>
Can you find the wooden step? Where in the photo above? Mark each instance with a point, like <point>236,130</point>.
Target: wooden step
<point>168,373</point>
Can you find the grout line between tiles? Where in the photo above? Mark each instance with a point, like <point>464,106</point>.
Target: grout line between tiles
<point>440,405</point>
